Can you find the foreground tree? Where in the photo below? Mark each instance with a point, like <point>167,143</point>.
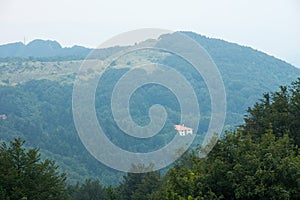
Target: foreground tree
<point>90,189</point>
<point>23,175</point>
<point>139,186</point>
<point>238,168</point>
<point>278,111</point>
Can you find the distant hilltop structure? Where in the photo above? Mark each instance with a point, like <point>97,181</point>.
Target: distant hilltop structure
<point>3,116</point>
<point>183,130</point>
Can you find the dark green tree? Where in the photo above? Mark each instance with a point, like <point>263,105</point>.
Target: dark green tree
<point>139,186</point>
<point>24,175</point>
<point>111,193</point>
<point>278,111</point>
<point>90,189</point>
<point>239,167</point>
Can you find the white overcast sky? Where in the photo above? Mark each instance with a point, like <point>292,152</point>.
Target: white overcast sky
<point>272,26</point>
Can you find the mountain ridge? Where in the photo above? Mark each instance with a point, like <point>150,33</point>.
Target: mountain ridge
<point>21,50</point>
<point>41,48</point>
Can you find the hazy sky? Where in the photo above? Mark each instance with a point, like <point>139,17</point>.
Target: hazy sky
<point>272,26</point>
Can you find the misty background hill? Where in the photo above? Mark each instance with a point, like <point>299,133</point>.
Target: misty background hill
<point>49,50</point>
<point>41,48</point>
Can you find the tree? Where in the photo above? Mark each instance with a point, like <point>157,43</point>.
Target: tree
<point>111,193</point>
<point>24,175</point>
<point>239,167</point>
<point>278,111</point>
<point>90,189</point>
<point>258,161</point>
<point>139,186</point>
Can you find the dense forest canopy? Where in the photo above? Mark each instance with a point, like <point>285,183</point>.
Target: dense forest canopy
<point>257,158</point>
<point>242,165</point>
<point>36,98</point>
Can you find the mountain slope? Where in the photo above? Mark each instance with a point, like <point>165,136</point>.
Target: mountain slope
<point>36,97</point>
<point>247,73</point>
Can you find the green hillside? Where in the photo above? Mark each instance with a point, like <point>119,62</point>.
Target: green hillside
<point>36,97</point>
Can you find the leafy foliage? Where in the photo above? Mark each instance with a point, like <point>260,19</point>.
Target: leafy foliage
<point>277,111</point>
<point>90,189</point>
<point>238,168</point>
<point>24,175</point>
<point>258,161</point>
<point>138,186</point>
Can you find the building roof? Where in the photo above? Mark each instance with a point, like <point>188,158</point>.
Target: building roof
<point>181,128</point>
<point>3,116</point>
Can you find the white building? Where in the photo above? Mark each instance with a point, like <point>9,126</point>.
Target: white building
<point>183,130</point>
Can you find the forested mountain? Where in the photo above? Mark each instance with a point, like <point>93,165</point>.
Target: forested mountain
<point>36,97</point>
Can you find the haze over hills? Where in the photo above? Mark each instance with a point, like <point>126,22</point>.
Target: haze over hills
<point>40,48</point>
<point>48,50</point>
<point>36,95</point>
